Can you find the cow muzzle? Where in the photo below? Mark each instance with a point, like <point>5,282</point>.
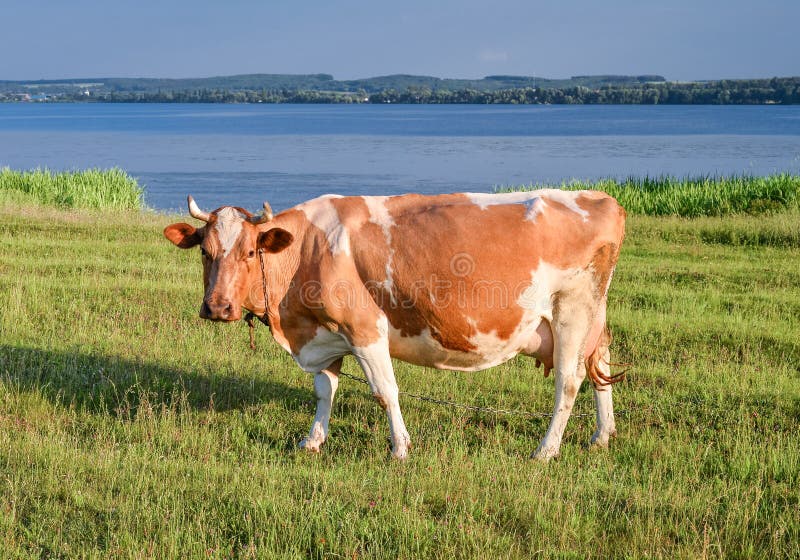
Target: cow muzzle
<point>220,310</point>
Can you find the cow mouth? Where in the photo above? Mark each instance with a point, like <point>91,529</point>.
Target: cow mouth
<point>221,319</point>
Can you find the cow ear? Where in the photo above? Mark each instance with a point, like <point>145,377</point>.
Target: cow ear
<point>183,235</point>
<point>274,240</point>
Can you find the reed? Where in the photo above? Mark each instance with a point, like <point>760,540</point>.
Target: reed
<point>692,197</point>
<point>96,189</point>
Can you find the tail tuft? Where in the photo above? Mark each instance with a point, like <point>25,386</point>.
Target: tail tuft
<point>594,367</point>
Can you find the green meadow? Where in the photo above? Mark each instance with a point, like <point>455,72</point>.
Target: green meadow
<point>130,428</point>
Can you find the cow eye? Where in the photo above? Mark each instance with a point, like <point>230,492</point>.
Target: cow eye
<point>251,254</point>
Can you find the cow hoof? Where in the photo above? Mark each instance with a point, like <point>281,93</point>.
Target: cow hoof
<point>544,454</point>
<point>400,449</point>
<point>310,445</point>
<point>400,452</point>
<point>600,439</point>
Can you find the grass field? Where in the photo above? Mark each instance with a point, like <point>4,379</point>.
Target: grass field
<point>129,428</point>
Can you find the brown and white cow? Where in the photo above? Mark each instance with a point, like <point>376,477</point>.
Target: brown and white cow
<point>456,281</point>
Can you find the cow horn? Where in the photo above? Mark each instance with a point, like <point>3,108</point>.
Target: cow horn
<point>195,211</point>
<point>264,217</point>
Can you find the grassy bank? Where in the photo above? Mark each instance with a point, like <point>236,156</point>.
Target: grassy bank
<point>698,196</point>
<point>129,428</point>
<point>99,189</point>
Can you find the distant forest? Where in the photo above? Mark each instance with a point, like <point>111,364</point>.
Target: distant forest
<point>321,88</point>
<point>309,82</point>
<point>740,92</point>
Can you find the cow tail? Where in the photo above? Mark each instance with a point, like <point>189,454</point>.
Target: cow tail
<point>601,355</point>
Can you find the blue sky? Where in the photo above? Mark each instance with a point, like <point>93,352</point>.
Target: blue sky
<point>680,39</point>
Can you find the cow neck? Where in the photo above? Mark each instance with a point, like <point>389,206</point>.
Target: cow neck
<point>277,271</point>
<point>270,291</point>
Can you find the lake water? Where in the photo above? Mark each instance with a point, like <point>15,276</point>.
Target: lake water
<point>244,154</point>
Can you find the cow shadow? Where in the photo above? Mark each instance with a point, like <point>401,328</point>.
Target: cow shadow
<point>120,386</point>
<point>125,388</point>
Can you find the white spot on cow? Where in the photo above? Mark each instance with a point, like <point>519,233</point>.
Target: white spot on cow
<point>537,297</point>
<point>228,226</point>
<point>323,215</point>
<point>535,201</point>
<point>425,350</point>
<point>484,200</point>
<point>535,207</point>
<point>568,199</point>
<point>491,347</point>
<point>319,352</point>
<point>379,215</point>
<point>382,325</point>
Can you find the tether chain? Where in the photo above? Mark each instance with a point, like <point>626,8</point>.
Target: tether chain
<point>265,319</point>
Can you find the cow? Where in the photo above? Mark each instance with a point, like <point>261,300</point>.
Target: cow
<point>454,281</point>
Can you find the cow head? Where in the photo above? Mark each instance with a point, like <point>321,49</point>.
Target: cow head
<point>230,242</point>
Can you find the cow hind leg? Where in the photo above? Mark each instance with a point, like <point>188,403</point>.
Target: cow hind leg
<point>572,316</point>
<point>377,365</point>
<point>325,384</point>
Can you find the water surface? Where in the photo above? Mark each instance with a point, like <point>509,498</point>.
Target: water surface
<point>243,154</point>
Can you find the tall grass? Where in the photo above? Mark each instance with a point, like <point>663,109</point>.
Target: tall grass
<point>97,189</point>
<point>697,196</point>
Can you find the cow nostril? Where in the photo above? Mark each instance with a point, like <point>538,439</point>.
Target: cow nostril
<point>217,310</point>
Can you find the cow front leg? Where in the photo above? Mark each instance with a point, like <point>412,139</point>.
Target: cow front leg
<point>377,365</point>
<point>325,384</point>
<point>604,406</point>
<point>570,329</point>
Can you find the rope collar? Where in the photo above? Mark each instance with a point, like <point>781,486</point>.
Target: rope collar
<point>250,315</point>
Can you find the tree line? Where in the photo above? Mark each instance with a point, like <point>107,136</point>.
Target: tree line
<point>723,92</point>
